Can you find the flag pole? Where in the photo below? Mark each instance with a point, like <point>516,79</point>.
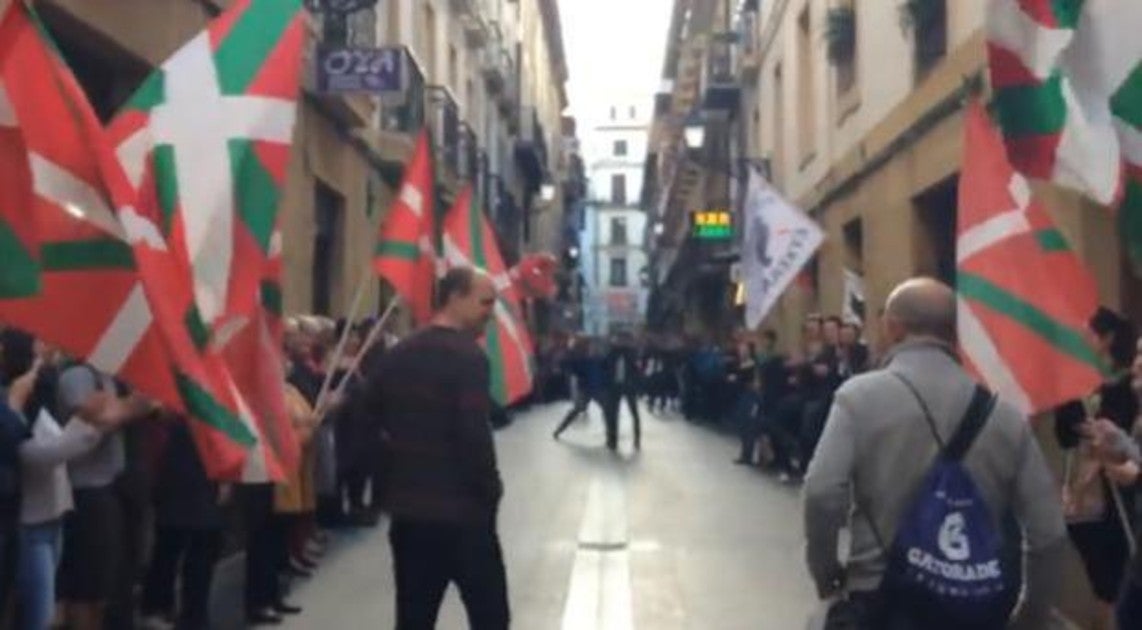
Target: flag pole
<point>343,341</point>
<point>378,326</point>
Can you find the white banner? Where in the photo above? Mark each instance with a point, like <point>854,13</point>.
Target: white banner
<point>853,311</point>
<point>779,241</point>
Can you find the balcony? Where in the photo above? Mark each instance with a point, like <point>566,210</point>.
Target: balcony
<point>493,60</point>
<point>508,98</point>
<point>531,149</point>
<point>475,26</point>
<point>720,90</point>
<point>402,116</point>
<point>404,112</point>
<point>748,50</point>
<point>444,123</point>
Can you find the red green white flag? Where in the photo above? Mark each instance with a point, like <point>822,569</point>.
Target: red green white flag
<point>405,254</point>
<point>1024,297</point>
<point>96,299</point>
<point>1068,97</point>
<point>206,141</point>
<point>18,234</point>
<point>469,240</point>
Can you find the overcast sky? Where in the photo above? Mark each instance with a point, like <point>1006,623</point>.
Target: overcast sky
<point>614,52</point>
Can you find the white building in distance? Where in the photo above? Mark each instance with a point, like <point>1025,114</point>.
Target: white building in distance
<point>614,257</point>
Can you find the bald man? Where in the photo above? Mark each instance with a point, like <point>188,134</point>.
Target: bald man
<point>878,444</point>
<point>430,399</point>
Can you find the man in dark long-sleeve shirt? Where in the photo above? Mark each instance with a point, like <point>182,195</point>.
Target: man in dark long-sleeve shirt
<point>430,399</point>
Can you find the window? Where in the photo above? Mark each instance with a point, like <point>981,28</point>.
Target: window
<point>619,231</point>
<point>846,64</point>
<point>393,21</point>
<point>618,272</point>
<point>429,42</point>
<point>779,124</point>
<point>806,88</point>
<point>108,78</point>
<point>854,245</point>
<point>329,209</point>
<point>633,113</point>
<point>619,189</point>
<point>453,66</point>
<point>936,210</point>
<point>620,148</point>
<point>614,113</point>
<point>930,33</point>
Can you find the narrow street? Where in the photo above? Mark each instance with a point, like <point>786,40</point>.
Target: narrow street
<point>673,538</point>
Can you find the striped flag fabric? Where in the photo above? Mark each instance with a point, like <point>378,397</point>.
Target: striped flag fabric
<point>96,299</point>
<point>1068,96</point>
<point>1024,297</point>
<point>21,277</point>
<point>206,142</point>
<point>405,253</point>
<point>469,240</point>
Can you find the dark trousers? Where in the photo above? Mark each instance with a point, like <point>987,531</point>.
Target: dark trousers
<point>631,396</point>
<point>1130,605</point>
<point>611,404</point>
<point>580,407</point>
<point>429,556</point>
<point>749,430</point>
<point>9,554</point>
<point>352,484</point>
<point>782,425</point>
<point>814,416</point>
<point>264,543</point>
<point>613,409</point>
<point>188,555</point>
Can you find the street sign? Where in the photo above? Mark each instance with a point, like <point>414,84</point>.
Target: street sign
<point>348,70</point>
<point>338,6</point>
<point>711,225</point>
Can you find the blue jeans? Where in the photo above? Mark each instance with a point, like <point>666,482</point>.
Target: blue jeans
<point>40,547</point>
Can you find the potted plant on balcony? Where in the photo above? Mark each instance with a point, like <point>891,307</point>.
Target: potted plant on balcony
<point>840,34</point>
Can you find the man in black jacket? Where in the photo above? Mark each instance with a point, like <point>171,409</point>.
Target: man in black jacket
<point>429,397</point>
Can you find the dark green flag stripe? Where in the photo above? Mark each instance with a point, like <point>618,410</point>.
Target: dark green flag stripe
<point>398,249</point>
<point>1063,338</point>
<point>94,254</point>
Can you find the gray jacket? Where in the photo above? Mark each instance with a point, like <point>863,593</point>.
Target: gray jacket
<point>875,450</point>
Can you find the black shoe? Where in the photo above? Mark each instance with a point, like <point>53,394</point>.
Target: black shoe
<point>263,617</point>
<point>286,609</point>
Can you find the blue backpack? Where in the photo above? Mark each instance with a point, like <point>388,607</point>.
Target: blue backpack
<point>946,566</point>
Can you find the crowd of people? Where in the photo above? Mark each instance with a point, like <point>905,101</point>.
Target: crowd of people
<point>108,520</point>
<point>777,403</point>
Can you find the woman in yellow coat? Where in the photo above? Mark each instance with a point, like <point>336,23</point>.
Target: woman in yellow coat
<point>296,500</point>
